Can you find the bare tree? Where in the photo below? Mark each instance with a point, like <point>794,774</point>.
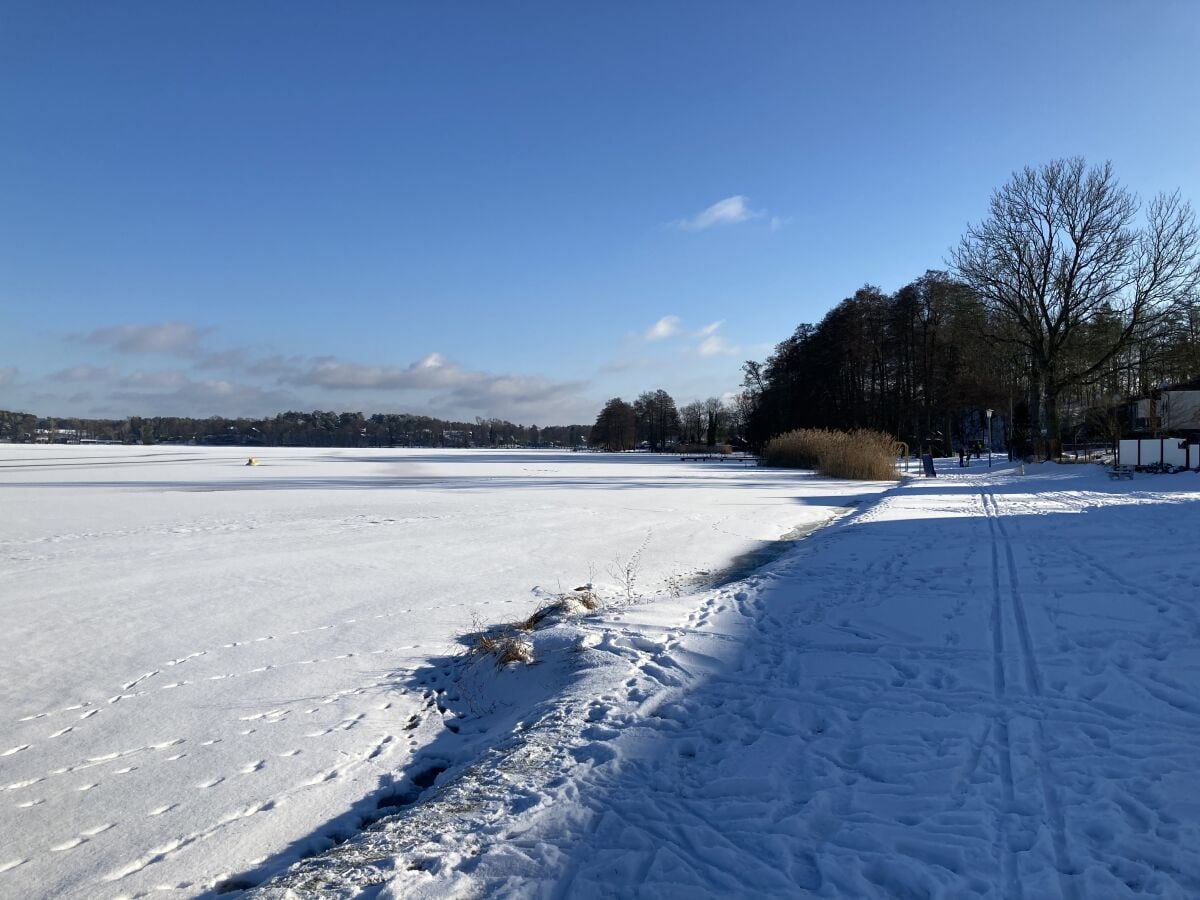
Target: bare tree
<point>1061,247</point>
<point>691,422</point>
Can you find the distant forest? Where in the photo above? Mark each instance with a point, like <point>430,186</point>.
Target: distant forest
<point>1066,302</point>
<point>293,429</point>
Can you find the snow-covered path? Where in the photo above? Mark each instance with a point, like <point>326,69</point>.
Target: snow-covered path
<point>984,685</point>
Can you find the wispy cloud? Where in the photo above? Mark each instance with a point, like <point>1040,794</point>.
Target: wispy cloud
<point>167,393</point>
<point>180,338</point>
<point>431,371</point>
<point>80,373</point>
<point>8,375</point>
<point>452,385</point>
<point>223,359</point>
<point>712,343</point>
<point>729,211</point>
<point>778,222</point>
<point>716,345</point>
<point>665,327</point>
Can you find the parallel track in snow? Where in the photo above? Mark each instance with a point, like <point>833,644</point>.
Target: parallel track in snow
<point>1033,685</point>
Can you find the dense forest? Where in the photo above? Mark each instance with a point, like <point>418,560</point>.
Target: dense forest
<point>1059,308</point>
<point>655,422</point>
<point>295,429</point>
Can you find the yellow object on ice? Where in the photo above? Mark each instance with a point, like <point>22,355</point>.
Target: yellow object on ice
<point>252,461</point>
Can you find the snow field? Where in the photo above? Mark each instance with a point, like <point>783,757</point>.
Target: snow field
<point>983,685</point>
<point>208,670</point>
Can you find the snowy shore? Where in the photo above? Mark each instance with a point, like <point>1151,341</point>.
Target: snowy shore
<point>983,685</point>
<point>208,670</point>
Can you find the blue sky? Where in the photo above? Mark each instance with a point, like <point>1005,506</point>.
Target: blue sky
<point>518,209</point>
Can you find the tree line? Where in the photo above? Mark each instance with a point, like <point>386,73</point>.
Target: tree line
<point>654,420</point>
<point>295,429</point>
<point>1067,300</point>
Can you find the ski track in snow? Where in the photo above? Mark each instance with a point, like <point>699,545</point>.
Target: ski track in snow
<point>982,685</point>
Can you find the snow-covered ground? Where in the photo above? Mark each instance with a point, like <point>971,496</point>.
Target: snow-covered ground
<point>209,670</point>
<point>986,684</point>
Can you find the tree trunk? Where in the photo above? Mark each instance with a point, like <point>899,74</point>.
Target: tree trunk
<point>1050,423</point>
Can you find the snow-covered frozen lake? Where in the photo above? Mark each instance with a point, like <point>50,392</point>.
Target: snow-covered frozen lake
<point>200,661</point>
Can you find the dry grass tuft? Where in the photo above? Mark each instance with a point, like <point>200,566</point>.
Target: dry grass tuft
<point>586,598</point>
<point>505,646</point>
<point>513,650</point>
<point>862,455</point>
<point>541,614</point>
<point>506,642</point>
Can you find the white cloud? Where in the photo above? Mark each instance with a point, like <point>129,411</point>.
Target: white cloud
<point>432,371</point>
<point>163,380</point>
<point>729,211</point>
<point>162,337</point>
<point>455,390</point>
<point>712,343</point>
<point>716,346</point>
<point>174,394</point>
<point>665,327</point>
<point>778,222</point>
<point>8,375</point>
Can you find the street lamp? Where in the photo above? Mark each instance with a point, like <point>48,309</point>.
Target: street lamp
<point>989,418</point>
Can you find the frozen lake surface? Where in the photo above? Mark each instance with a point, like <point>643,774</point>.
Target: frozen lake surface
<point>203,664</point>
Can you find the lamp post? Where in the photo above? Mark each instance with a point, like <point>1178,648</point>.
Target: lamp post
<point>989,420</point>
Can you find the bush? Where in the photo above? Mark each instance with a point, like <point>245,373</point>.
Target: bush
<point>863,454</point>
<point>506,647</point>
